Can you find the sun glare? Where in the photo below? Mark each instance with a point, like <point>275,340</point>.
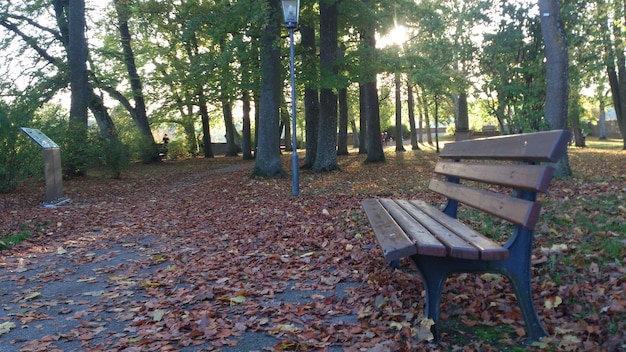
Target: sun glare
<point>397,36</point>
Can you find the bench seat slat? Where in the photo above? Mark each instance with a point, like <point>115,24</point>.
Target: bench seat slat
<point>515,210</point>
<point>523,176</point>
<point>392,239</point>
<point>456,246</point>
<point>547,146</point>
<point>426,242</point>
<point>488,249</point>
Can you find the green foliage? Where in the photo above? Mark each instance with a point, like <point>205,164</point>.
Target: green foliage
<point>19,157</point>
<point>115,156</point>
<point>141,148</point>
<point>514,72</point>
<point>81,148</point>
<point>77,151</point>
<point>392,131</point>
<point>177,149</point>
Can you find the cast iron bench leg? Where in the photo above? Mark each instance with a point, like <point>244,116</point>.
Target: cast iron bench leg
<point>518,270</point>
<point>523,292</point>
<point>434,275</point>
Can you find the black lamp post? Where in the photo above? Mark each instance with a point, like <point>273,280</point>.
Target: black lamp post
<point>291,11</point>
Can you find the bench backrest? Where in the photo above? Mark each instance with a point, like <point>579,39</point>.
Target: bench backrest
<point>512,162</point>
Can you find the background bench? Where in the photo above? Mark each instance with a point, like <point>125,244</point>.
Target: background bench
<point>499,176</point>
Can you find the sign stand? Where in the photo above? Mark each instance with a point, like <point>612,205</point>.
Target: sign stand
<point>52,166</point>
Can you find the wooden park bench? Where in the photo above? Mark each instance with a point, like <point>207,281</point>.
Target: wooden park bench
<point>501,176</point>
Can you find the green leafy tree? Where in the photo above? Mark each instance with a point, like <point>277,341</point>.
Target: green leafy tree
<point>513,71</point>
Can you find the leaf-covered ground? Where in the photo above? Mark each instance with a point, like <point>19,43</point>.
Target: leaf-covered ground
<point>196,256</point>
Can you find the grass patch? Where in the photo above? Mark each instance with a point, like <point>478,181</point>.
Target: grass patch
<point>594,142</point>
<point>594,225</point>
<point>500,336</point>
<point>11,240</point>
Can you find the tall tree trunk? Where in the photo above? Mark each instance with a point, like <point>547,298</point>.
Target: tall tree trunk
<point>618,89</point>
<point>375,145</point>
<point>602,119</point>
<point>311,94</point>
<point>425,117</point>
<point>95,102</point>
<point>140,116</point>
<point>77,58</point>
<point>257,117</point>
<point>399,137</point>
<point>375,151</point>
<point>247,137</point>
<point>557,75</point>
<point>326,158</point>
<point>268,148</point>
<point>232,148</point>
<point>342,140</point>
<point>437,123</point>
<point>462,119</point>
<point>411,107</point>
<point>206,127</point>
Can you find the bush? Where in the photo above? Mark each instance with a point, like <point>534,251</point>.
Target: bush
<point>115,156</point>
<point>77,151</point>
<point>391,130</point>
<point>20,157</point>
<point>177,149</point>
<point>142,148</point>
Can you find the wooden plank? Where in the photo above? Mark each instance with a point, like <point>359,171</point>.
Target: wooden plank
<point>524,176</point>
<point>489,250</point>
<point>546,146</point>
<point>392,239</point>
<point>426,242</point>
<point>515,210</point>
<point>456,246</point>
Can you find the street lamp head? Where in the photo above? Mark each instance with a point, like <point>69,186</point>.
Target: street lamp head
<point>291,11</point>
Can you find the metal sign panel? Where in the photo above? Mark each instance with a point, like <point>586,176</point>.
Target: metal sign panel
<point>36,135</point>
<point>52,165</point>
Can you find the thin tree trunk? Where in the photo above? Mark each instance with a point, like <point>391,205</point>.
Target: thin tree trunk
<point>399,137</point>
<point>342,140</point>
<point>411,107</point>
<point>247,137</point>
<point>206,127</point>
<point>231,141</point>
<point>285,123</point>
<point>362,120</point>
<point>311,94</point>
<point>140,116</point>
<point>356,139</point>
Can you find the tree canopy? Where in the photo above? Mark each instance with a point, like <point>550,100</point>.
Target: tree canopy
<point>196,69</point>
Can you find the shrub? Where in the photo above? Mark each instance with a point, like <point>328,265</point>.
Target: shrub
<point>391,130</point>
<point>19,157</point>
<point>115,156</point>
<point>177,149</point>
